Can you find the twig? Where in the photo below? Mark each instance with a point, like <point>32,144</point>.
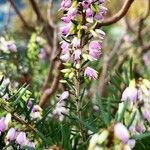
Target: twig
<point>50,91</point>
<point>117,16</point>
<point>107,59</point>
<point>49,13</point>
<point>20,15</point>
<point>141,23</point>
<point>36,10</point>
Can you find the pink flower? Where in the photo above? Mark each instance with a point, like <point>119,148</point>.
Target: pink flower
<point>11,46</point>
<point>140,127</point>
<point>76,42</point>
<point>65,29</point>
<point>121,132</point>
<point>130,93</point>
<point>76,55</point>
<point>42,54</point>
<point>21,138</point>
<point>11,135</point>
<point>31,144</point>
<point>94,54</point>
<point>101,1</point>
<point>66,19</point>
<point>94,45</point>
<point>64,96</point>
<point>2,125</point>
<point>65,4</point>
<point>65,57</point>
<point>103,10</point>
<point>89,13</point>
<point>147,114</point>
<point>85,4</point>
<point>90,72</point>
<point>64,47</point>
<point>72,12</point>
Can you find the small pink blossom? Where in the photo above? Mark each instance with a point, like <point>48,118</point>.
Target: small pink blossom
<point>76,42</point>
<point>90,72</point>
<point>147,114</point>
<point>76,55</point>
<point>94,45</point>
<point>65,4</point>
<point>11,135</point>
<point>130,93</point>
<point>64,47</point>
<point>21,138</point>
<point>65,57</point>
<point>121,132</point>
<point>64,96</point>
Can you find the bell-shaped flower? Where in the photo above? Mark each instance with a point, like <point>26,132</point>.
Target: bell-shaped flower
<point>121,132</point>
<point>89,15</point>
<point>21,138</point>
<point>140,127</point>
<point>64,96</point>
<point>130,93</point>
<point>65,29</point>
<point>30,144</point>
<point>64,47</point>
<point>2,125</point>
<point>76,55</point>
<point>11,134</point>
<point>7,120</point>
<point>76,42</point>
<point>94,54</point>
<point>147,114</point>
<point>85,4</point>
<point>91,73</point>
<point>65,4</point>
<point>94,45</point>
<point>66,19</point>
<point>65,57</point>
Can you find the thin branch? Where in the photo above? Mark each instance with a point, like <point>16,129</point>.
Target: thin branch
<point>49,13</point>
<point>36,10</point>
<point>20,15</point>
<point>141,23</point>
<point>117,16</point>
<point>50,91</point>
<point>107,59</point>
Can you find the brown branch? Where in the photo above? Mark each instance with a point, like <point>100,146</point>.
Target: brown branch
<point>20,15</point>
<point>107,59</point>
<point>141,23</point>
<point>52,59</point>
<point>117,16</point>
<point>36,10</point>
<point>50,91</point>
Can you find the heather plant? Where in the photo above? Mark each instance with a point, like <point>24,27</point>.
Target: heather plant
<point>66,88</point>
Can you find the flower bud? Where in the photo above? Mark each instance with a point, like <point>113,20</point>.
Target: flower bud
<point>2,125</point>
<point>7,120</point>
<point>11,135</point>
<point>130,93</point>
<point>21,138</point>
<point>121,132</point>
<point>91,73</point>
<point>64,96</point>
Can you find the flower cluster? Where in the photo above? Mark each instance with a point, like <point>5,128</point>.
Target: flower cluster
<point>36,110</point>
<point>77,47</point>
<point>115,137</point>
<point>60,109</point>
<point>7,46</point>
<point>138,96</point>
<point>19,137</point>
